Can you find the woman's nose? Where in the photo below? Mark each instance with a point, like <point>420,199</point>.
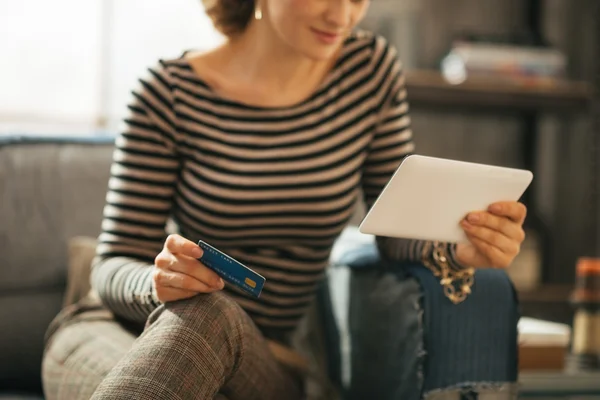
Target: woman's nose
<point>339,13</point>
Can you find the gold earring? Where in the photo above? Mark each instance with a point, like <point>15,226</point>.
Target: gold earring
<point>258,13</point>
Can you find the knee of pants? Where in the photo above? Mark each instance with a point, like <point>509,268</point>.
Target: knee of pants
<point>211,315</point>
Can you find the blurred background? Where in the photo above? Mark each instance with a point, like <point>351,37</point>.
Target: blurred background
<point>504,82</point>
<point>69,66</point>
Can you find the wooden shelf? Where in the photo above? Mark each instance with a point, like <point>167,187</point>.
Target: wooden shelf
<point>557,293</point>
<point>429,88</point>
<point>558,383</point>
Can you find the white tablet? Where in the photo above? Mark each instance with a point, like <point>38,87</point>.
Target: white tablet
<point>428,197</point>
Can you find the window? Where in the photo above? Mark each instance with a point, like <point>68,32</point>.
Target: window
<point>68,66</point>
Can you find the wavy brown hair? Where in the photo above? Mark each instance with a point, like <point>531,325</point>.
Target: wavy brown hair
<point>230,17</point>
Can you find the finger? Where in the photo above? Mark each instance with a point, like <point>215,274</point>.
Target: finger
<point>504,225</point>
<point>492,237</point>
<point>516,211</point>
<point>198,271</point>
<point>164,259</point>
<point>177,244</point>
<point>189,266</point>
<point>166,294</point>
<point>496,258</point>
<point>177,280</point>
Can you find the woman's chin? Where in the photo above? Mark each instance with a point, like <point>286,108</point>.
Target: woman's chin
<point>321,53</point>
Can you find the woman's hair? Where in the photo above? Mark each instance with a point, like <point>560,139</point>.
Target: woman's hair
<point>230,17</point>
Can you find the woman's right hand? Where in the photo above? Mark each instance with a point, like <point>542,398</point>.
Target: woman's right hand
<point>179,275</point>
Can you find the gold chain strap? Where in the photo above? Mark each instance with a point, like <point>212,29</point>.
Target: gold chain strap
<point>456,283</point>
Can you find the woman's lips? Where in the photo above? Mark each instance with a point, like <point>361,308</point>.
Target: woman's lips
<point>326,37</point>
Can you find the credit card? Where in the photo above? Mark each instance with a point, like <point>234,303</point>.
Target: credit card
<point>231,270</point>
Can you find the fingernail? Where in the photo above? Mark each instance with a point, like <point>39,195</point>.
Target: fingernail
<point>473,218</point>
<point>465,223</point>
<point>197,252</point>
<point>220,284</point>
<point>496,208</point>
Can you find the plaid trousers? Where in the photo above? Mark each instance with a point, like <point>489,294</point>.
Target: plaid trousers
<point>205,347</point>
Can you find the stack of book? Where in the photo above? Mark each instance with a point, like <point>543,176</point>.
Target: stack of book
<point>508,62</point>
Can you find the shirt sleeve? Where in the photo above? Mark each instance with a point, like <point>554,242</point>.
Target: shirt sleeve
<point>392,142</point>
<point>139,199</point>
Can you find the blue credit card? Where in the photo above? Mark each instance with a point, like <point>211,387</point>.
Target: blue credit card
<point>231,271</point>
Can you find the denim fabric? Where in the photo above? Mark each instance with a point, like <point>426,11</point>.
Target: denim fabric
<point>331,336</point>
<point>410,342</point>
<point>386,336</point>
<point>473,342</point>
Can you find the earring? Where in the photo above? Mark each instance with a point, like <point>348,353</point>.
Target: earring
<point>258,13</point>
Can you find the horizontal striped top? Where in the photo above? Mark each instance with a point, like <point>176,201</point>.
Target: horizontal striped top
<point>272,187</point>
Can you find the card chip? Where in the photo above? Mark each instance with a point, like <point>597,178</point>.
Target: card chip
<point>250,282</point>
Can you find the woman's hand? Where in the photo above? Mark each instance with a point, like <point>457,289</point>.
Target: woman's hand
<point>179,275</point>
<point>495,236</point>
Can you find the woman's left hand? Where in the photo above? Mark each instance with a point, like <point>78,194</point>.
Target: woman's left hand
<point>495,236</point>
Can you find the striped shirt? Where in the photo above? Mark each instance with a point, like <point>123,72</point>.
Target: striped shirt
<point>273,187</point>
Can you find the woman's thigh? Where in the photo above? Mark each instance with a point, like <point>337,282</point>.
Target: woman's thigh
<point>205,347</point>
<point>80,355</point>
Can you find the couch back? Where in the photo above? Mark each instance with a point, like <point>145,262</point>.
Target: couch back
<point>51,189</point>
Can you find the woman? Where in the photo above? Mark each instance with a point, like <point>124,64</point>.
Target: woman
<point>258,147</point>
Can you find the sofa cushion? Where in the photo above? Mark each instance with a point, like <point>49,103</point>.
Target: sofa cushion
<point>49,193</point>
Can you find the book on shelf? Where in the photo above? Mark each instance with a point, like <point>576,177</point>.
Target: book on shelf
<point>511,63</point>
